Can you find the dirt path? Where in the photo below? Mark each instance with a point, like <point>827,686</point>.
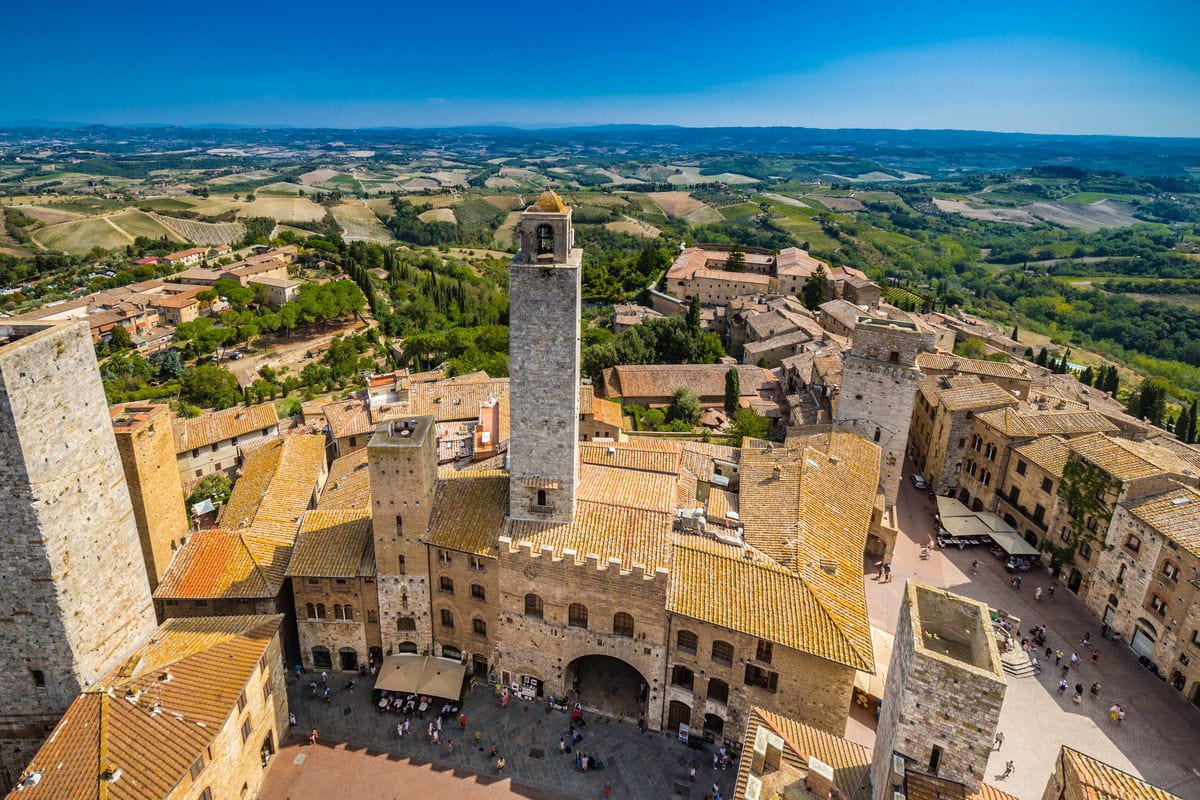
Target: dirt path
<point>118,228</point>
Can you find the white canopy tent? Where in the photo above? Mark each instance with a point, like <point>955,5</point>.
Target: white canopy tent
<point>429,675</point>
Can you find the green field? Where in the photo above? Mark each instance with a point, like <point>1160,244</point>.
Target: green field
<point>1092,197</point>
<point>739,211</point>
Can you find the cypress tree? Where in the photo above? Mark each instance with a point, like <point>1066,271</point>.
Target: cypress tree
<point>1041,357</point>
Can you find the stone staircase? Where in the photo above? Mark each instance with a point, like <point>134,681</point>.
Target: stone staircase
<point>1016,663</point>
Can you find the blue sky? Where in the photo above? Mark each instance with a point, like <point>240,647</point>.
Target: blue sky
<point>1054,66</point>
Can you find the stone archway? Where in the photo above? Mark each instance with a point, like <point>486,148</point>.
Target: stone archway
<point>608,686</point>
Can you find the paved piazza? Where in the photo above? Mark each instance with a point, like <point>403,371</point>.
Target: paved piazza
<point>360,756</point>
<point>1158,739</point>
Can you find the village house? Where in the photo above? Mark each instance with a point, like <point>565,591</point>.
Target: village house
<point>197,711</point>
<point>216,440</point>
<point>651,385</point>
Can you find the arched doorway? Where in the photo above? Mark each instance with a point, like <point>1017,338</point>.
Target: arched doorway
<point>406,647</point>
<point>678,713</point>
<point>1031,537</point>
<point>321,658</point>
<point>376,655</point>
<point>1075,580</point>
<point>348,657</point>
<point>977,504</point>
<point>608,685</point>
<point>714,726</point>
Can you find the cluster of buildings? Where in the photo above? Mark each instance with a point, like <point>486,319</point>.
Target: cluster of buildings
<point>150,310</point>
<point>717,589</point>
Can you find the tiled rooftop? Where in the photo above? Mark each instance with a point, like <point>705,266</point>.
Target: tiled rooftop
<point>1020,424</point>
<point>217,426</point>
<point>851,762</point>
<point>1095,780</point>
<point>1048,452</point>
<point>334,544</point>
<point>976,366</point>
<point>1126,460</point>
<point>1175,514</point>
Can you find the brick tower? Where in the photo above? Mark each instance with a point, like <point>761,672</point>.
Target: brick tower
<point>544,297</point>
<point>402,458</point>
<point>941,703</point>
<point>74,595</point>
<point>147,447</point>
<point>879,384</point>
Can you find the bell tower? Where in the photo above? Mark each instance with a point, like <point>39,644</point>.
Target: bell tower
<point>544,311</point>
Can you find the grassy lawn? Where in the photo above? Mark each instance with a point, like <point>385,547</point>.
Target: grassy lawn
<point>1092,197</point>
<point>739,211</point>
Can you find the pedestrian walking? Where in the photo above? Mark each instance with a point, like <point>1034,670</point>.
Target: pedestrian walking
<point>1037,594</point>
<point>1095,656</point>
<point>429,732</point>
<point>999,740</point>
<point>478,737</point>
<point>607,790</point>
<point>1074,659</point>
<point>462,721</point>
<point>1018,583</point>
<point>1065,669</point>
<point>692,774</point>
<point>1095,689</point>
<point>494,750</point>
<point>399,730</point>
<point>324,678</point>
<point>716,789</point>
<point>1050,593</point>
<point>313,736</point>
<point>1008,769</point>
<point>1057,657</point>
<point>562,745</point>
<point>437,724</point>
<point>499,765</point>
<point>1062,686</point>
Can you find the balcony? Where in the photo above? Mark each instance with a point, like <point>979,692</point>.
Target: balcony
<point>542,508</point>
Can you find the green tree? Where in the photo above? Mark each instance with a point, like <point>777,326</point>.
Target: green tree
<point>1013,335</point>
<point>1042,357</point>
<point>746,422</point>
<point>816,289</point>
<point>168,365</point>
<point>1150,400</point>
<point>971,347</point>
<point>693,316</point>
<point>210,386</point>
<point>684,406</point>
<point>119,340</point>
<point>238,296</point>
<point>733,389</point>
<point>736,261</point>
<point>211,487</point>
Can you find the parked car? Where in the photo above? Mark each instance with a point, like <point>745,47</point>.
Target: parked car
<point>918,480</point>
<point>236,354</point>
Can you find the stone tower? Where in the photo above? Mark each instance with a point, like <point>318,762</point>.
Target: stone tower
<point>879,384</point>
<point>74,596</point>
<point>941,703</point>
<point>402,458</point>
<point>147,447</point>
<point>544,297</point>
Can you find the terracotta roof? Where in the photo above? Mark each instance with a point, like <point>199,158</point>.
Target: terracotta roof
<point>1094,780</point>
<point>209,659</point>
<point>631,535</point>
<point>606,412</point>
<point>985,395</point>
<point>796,261</point>
<point>627,487</point>
<point>334,544</point>
<point>1019,424</point>
<point>468,512</point>
<point>350,417</point>
<point>456,399</point>
<point>1174,514</point>
<point>217,426</point>
<point>248,556</point>
<point>851,762</point>
<point>989,792</point>
<point>661,380</point>
<point>977,366</point>
<point>349,483</point>
<point>1126,460</point>
<point>1048,452</point>
<point>643,454</point>
<point>191,251</point>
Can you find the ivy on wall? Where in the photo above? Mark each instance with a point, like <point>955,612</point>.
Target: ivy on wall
<point>1086,490</point>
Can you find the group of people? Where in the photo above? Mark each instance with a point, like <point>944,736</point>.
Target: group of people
<point>568,744</point>
<point>410,704</point>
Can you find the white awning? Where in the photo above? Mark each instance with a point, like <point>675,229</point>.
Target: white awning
<point>952,507</point>
<point>1013,544</point>
<point>411,673</point>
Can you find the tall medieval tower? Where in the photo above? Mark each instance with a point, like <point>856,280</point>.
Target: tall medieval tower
<point>146,443</point>
<point>74,595</point>
<point>544,311</point>
<point>945,685</point>
<point>402,458</point>
<point>879,384</point>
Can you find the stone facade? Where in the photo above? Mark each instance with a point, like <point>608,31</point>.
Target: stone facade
<point>75,592</point>
<point>544,646</point>
<point>338,617</point>
<point>938,437</point>
<point>945,685</point>
<point>402,455</point>
<point>544,312</point>
<point>147,447</point>
<point>719,694</point>
<point>468,587</point>
<point>879,381</point>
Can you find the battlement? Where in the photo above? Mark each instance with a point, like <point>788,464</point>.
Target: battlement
<point>890,340</point>
<point>569,558</point>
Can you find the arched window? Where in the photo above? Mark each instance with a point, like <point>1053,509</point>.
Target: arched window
<point>447,618</point>
<point>479,627</point>
<point>477,592</point>
<point>718,690</point>
<point>577,615</point>
<point>407,647</point>
<point>347,613</point>
<point>322,658</point>
<point>722,653</point>
<point>310,610</point>
<point>406,624</point>
<point>545,239</point>
<point>687,641</point>
<point>682,676</point>
<point>622,624</point>
<point>714,724</point>
<point>320,611</point>
<point>533,606</point>
<point>451,652</point>
<point>446,584</point>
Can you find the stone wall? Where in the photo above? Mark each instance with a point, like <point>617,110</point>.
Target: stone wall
<point>74,594</point>
<point>402,458</point>
<point>545,648</point>
<point>544,311</point>
<point>938,707</point>
<point>224,456</point>
<point>147,448</point>
<point>809,689</point>
<point>359,633</point>
<point>464,571</point>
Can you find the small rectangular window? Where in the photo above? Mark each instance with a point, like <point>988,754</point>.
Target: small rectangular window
<point>1021,467</point>
<point>197,767</point>
<point>39,678</point>
<point>266,691</point>
<point>245,729</point>
<point>241,701</point>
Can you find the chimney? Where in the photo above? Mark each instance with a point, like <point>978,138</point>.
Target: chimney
<point>820,778</point>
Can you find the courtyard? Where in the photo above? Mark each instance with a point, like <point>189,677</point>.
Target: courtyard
<point>360,755</point>
<point>1157,740</point>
